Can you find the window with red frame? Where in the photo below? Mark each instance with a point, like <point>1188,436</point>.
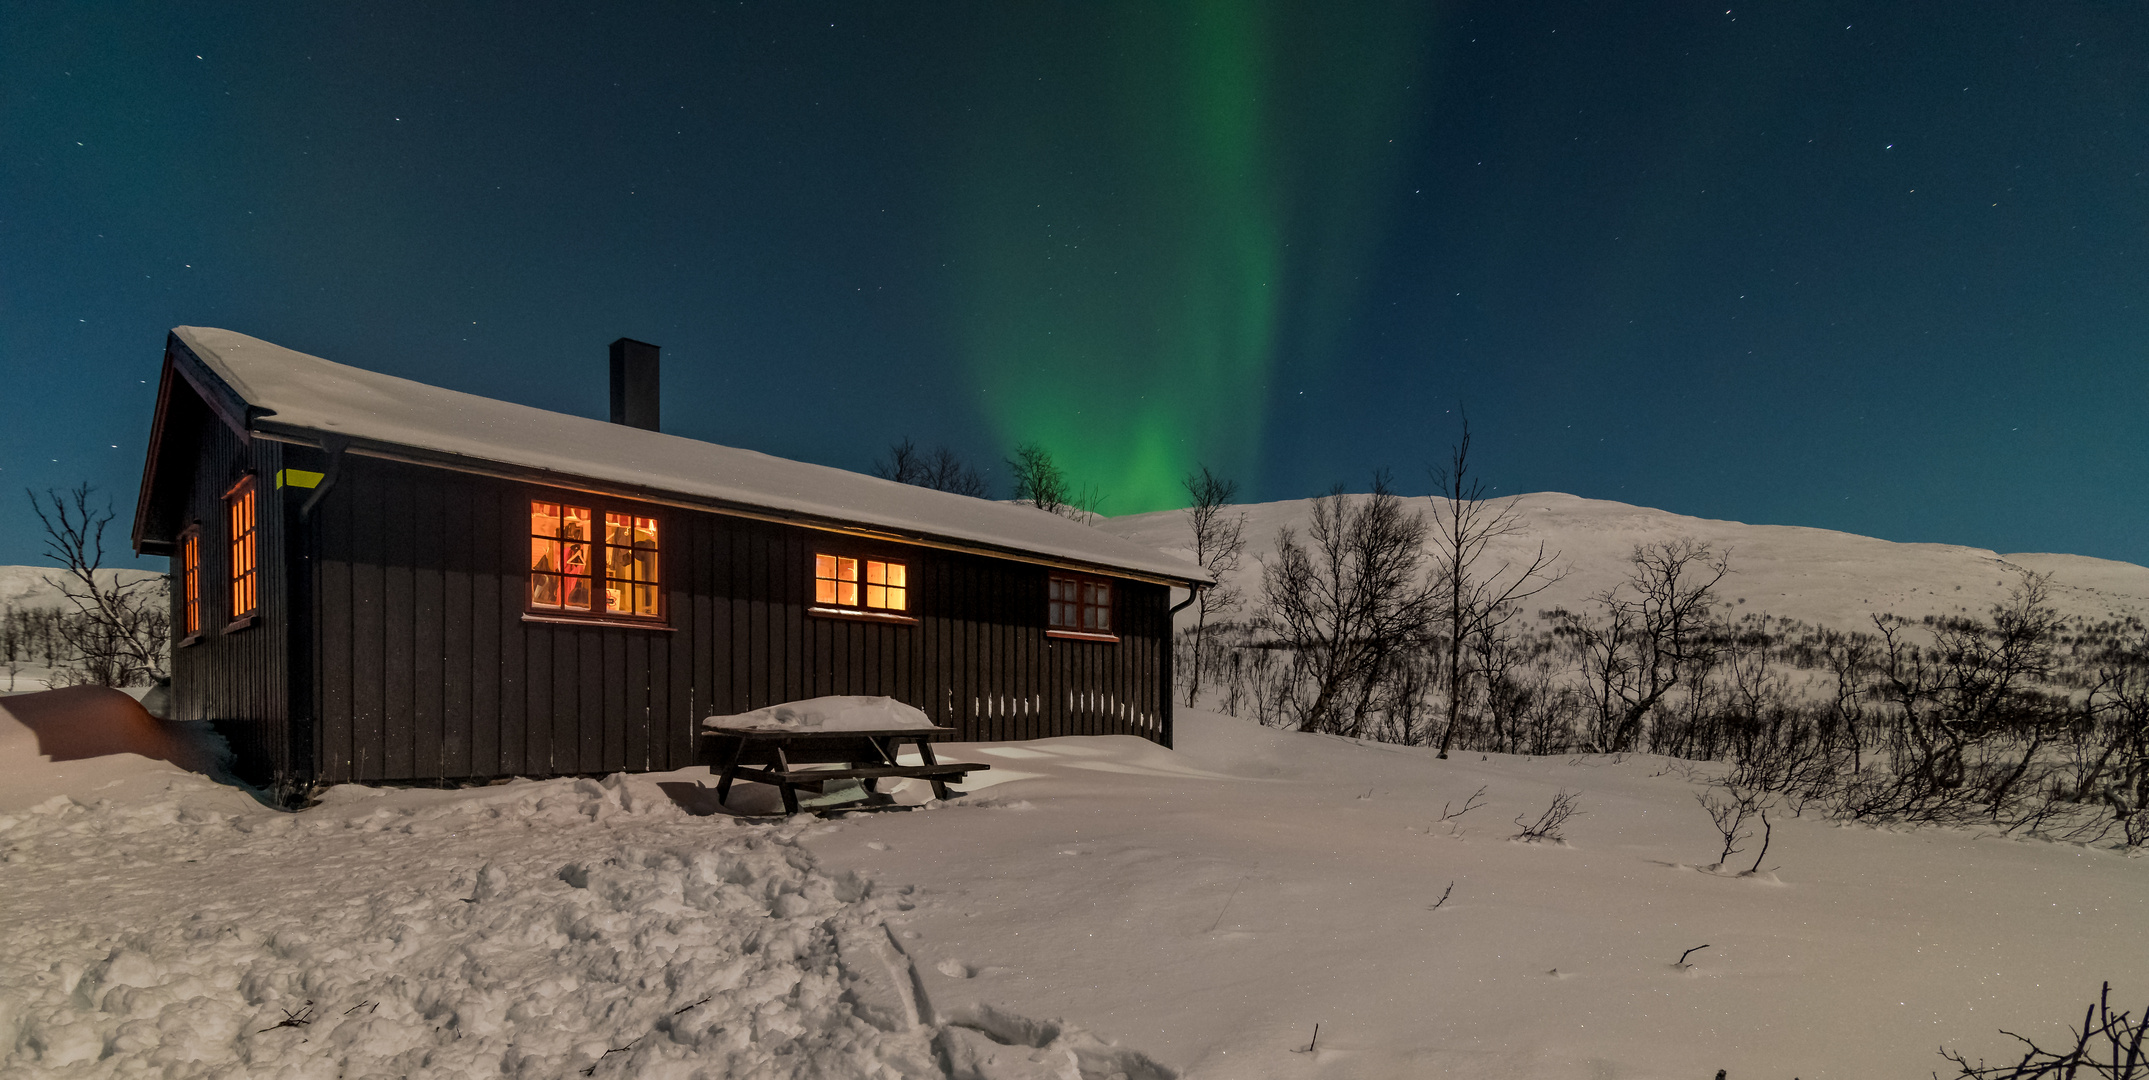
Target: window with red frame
<point>885,585</point>
<point>1079,605</point>
<point>190,582</point>
<point>574,570</point>
<point>245,577</point>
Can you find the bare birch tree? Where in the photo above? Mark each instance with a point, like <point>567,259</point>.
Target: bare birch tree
<point>1474,603</point>
<point>122,629</point>
<point>941,469</point>
<point>1039,480</point>
<point>1349,602</point>
<point>1219,545</point>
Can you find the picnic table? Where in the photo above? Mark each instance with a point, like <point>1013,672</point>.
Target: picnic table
<point>774,756</point>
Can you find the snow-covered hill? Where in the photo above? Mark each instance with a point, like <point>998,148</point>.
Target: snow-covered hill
<point>33,586</point>
<point>1813,575</point>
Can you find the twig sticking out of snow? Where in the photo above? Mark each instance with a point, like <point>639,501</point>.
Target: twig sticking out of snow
<point>301,1018</point>
<point>1476,799</point>
<point>1316,1040</point>
<point>1443,897</point>
<point>1682,956</point>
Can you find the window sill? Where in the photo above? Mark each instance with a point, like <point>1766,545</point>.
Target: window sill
<point>1077,635</point>
<point>241,623</point>
<point>859,615</point>
<point>597,620</point>
<point>191,639</point>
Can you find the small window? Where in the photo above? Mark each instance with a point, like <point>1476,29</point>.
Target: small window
<point>874,585</point>
<point>245,576</point>
<point>575,571</point>
<point>190,582</point>
<point>1079,605</point>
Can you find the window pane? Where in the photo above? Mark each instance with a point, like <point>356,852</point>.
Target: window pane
<point>824,566</point>
<point>877,596</point>
<point>876,572</point>
<point>544,519</point>
<point>895,575</point>
<point>544,555</point>
<point>544,591</point>
<point>847,591</point>
<point>577,594</point>
<point>575,523</point>
<point>824,590</point>
<point>897,599</point>
<point>847,569</point>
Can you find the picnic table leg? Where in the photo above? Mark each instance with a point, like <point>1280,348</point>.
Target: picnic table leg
<point>727,767</point>
<point>885,746</point>
<point>790,793</point>
<point>925,754</point>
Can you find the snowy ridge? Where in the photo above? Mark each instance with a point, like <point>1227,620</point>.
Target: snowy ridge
<point>1814,575</point>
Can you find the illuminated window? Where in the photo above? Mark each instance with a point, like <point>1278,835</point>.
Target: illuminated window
<point>575,571</point>
<point>1079,605</point>
<point>630,564</point>
<point>559,557</point>
<point>835,580</point>
<point>245,580</point>
<point>190,581</point>
<point>836,583</point>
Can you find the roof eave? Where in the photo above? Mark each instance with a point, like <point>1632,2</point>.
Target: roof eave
<point>267,427</point>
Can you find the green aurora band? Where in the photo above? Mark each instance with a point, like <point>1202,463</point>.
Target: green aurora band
<point>1133,261</point>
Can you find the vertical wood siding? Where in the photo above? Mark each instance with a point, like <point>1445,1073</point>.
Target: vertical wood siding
<point>240,679</point>
<point>417,663</point>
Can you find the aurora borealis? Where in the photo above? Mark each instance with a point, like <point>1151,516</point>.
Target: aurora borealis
<point>1141,238</point>
<point>1870,269</point>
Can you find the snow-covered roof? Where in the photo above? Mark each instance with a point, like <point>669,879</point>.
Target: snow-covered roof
<point>293,394</point>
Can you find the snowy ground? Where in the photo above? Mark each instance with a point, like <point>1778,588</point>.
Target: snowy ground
<point>1202,908</point>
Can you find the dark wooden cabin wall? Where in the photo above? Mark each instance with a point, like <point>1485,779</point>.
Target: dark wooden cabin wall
<point>424,667</point>
<point>238,679</point>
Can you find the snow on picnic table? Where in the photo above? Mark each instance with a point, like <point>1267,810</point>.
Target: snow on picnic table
<point>1198,910</point>
<point>842,713</point>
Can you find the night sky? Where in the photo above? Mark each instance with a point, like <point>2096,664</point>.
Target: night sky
<point>1871,267</point>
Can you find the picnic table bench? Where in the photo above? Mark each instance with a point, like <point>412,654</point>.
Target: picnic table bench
<point>774,756</point>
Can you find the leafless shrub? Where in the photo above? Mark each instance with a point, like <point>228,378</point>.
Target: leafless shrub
<point>2109,1046</point>
<point>1546,829</point>
<point>1730,813</point>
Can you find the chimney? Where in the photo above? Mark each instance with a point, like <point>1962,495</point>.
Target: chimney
<point>634,383</point>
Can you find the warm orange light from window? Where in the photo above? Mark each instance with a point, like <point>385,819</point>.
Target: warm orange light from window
<point>835,580</point>
<point>630,564</point>
<point>190,582</point>
<point>559,557</point>
<point>836,583</point>
<point>885,586</point>
<point>244,578</point>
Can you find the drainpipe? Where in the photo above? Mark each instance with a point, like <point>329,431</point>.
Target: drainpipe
<point>335,445</point>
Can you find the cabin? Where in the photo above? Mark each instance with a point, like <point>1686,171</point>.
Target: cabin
<point>380,581</point>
